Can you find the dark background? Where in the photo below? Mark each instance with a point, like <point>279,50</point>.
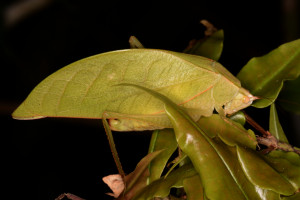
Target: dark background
<point>47,157</point>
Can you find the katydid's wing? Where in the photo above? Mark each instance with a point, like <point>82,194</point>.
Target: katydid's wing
<point>85,89</point>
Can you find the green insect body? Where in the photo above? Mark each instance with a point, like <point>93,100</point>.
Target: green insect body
<point>90,88</point>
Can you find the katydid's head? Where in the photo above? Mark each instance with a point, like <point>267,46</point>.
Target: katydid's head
<point>243,99</point>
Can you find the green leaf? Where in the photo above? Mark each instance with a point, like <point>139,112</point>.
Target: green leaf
<point>275,127</point>
<point>84,89</point>
<point>161,140</point>
<point>231,133</point>
<point>211,47</point>
<point>261,174</point>
<point>239,117</point>
<point>287,164</point>
<point>289,97</point>
<point>230,158</point>
<point>264,76</point>
<point>235,136</point>
<point>193,188</point>
<point>161,187</point>
<point>293,197</point>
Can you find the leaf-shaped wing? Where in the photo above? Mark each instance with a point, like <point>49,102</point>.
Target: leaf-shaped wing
<point>84,89</point>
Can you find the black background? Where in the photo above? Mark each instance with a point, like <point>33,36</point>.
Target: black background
<point>44,158</point>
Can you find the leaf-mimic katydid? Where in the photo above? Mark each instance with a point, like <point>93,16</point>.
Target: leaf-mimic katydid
<point>85,89</point>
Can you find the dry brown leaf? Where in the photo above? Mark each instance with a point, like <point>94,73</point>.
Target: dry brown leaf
<point>115,183</point>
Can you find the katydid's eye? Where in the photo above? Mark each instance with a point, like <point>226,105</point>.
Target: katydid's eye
<point>246,99</point>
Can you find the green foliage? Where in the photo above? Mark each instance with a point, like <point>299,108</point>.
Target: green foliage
<point>264,76</point>
<point>274,125</point>
<point>211,47</point>
<point>239,168</point>
<point>154,89</point>
<point>290,95</point>
<point>161,140</point>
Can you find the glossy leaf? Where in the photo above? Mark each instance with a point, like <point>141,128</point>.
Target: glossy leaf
<point>161,187</point>
<point>267,194</point>
<point>232,133</point>
<point>210,47</point>
<point>289,97</point>
<point>239,117</point>
<point>85,89</point>
<point>261,174</point>
<point>264,76</point>
<point>275,126</point>
<point>287,164</point>
<point>161,140</point>
<point>193,188</point>
<point>230,159</point>
<point>235,135</point>
<point>293,197</point>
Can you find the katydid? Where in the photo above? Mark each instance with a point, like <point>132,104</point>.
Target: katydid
<point>92,88</point>
<point>86,89</point>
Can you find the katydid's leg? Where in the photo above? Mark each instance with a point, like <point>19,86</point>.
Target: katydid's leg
<point>135,43</point>
<point>113,146</point>
<point>69,196</point>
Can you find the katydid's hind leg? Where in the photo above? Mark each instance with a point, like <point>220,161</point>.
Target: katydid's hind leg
<point>112,146</point>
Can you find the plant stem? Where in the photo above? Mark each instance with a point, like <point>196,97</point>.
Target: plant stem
<point>268,140</point>
<point>255,125</point>
<point>273,144</point>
